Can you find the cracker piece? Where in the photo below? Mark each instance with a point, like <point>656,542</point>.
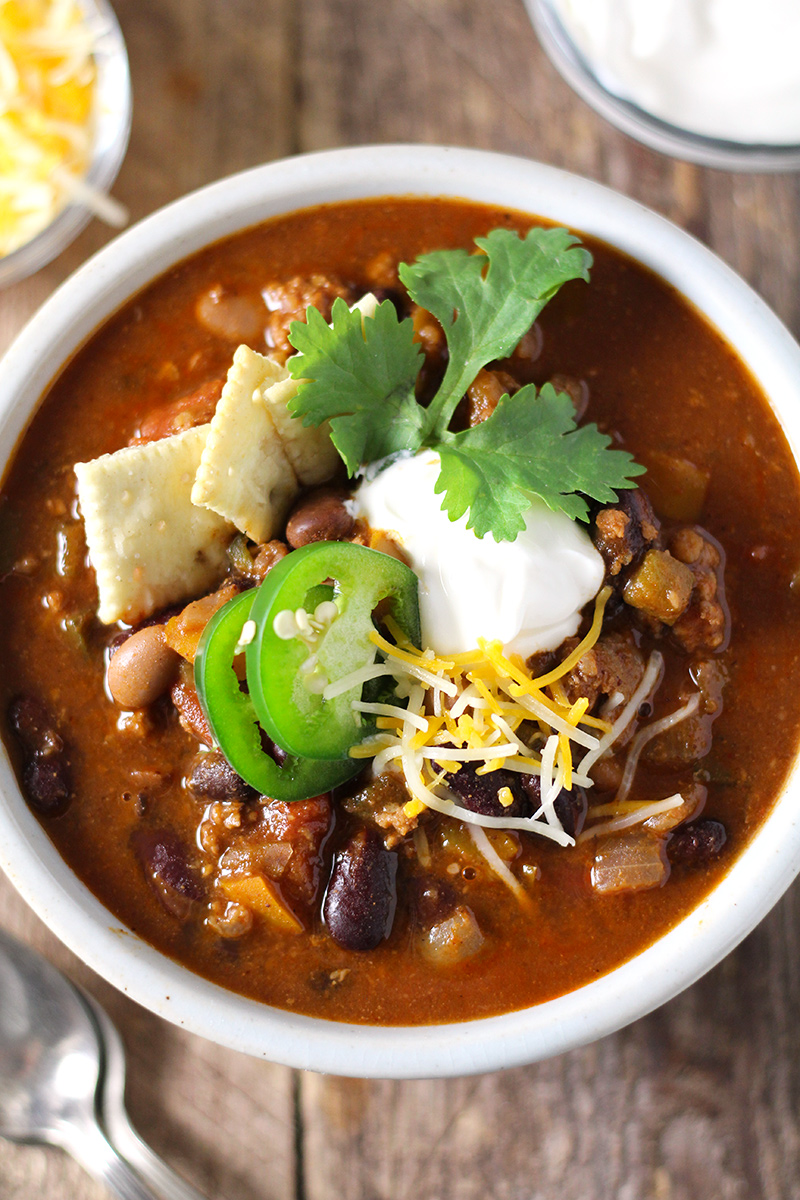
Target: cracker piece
<point>245,474</point>
<point>149,545</point>
<point>308,447</point>
<point>366,305</point>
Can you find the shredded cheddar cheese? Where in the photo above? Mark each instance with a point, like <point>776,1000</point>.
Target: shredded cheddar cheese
<point>47,87</point>
<point>469,708</point>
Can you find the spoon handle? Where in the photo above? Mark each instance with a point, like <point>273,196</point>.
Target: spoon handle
<point>152,1168</point>
<point>92,1149</point>
<point>114,1117</point>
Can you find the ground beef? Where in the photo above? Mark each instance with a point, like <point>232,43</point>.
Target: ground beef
<point>484,393</point>
<point>382,804</point>
<point>184,413</point>
<point>622,532</point>
<point>613,667</point>
<point>704,624</point>
<point>288,302</point>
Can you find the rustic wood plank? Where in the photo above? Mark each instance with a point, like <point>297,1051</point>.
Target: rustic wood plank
<point>700,1098</point>
<point>213,94</point>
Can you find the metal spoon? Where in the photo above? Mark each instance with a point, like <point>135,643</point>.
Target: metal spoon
<point>115,1120</point>
<point>52,1079</point>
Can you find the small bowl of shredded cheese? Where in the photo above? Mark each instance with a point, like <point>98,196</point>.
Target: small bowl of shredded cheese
<point>65,111</point>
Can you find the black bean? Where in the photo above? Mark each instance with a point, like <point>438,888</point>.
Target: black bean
<point>33,726</point>
<point>697,844</point>
<point>430,900</point>
<point>361,897</point>
<point>46,785</point>
<point>570,805</point>
<point>46,774</point>
<point>165,862</point>
<point>478,793</point>
<point>212,775</point>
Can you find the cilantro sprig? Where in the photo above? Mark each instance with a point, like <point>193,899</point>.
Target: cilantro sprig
<point>360,376</point>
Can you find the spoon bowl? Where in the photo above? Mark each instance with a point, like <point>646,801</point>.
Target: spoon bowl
<point>49,1052</point>
<point>62,1078</point>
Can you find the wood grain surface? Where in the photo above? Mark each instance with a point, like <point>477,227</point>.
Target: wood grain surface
<point>699,1101</point>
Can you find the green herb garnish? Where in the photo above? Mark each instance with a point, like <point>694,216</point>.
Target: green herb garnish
<point>361,377</point>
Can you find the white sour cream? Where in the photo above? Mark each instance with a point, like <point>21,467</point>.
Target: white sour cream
<point>527,594</point>
<point>723,68</point>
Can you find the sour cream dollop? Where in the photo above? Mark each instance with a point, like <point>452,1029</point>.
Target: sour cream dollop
<point>724,68</point>
<point>527,594</point>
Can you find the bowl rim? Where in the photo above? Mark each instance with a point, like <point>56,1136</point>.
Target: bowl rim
<point>756,879</point>
<point>644,126</point>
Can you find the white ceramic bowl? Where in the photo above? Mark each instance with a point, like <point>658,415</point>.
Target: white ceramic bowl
<point>756,879</point>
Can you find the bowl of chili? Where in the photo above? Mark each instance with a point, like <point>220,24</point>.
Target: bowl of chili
<point>395,1013</point>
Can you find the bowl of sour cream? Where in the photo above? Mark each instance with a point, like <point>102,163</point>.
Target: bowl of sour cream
<point>711,81</point>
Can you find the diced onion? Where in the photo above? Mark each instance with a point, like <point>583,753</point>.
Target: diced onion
<point>630,863</point>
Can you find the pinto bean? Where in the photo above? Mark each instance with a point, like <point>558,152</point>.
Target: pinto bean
<point>212,775</point>
<point>321,516</point>
<point>360,901</point>
<point>142,668</point>
<point>229,315</point>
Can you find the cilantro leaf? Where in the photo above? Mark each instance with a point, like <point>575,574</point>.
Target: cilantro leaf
<point>530,446</point>
<point>486,302</point>
<point>359,375</point>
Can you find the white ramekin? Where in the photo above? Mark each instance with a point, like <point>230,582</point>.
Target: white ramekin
<point>112,127</point>
<point>756,879</point>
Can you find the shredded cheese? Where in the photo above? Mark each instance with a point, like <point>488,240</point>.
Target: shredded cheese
<point>47,90</point>
<point>634,815</point>
<point>483,707</point>
<point>468,708</point>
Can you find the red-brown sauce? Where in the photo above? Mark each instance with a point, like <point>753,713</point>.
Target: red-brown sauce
<point>659,378</point>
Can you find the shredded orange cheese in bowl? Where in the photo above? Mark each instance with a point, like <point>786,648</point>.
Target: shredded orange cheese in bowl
<point>56,112</point>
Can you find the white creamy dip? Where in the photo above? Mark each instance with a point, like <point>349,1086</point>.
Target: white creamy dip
<point>723,68</point>
<point>527,594</point>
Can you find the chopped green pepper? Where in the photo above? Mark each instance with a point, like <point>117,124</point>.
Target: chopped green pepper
<point>295,653</point>
<point>233,721</point>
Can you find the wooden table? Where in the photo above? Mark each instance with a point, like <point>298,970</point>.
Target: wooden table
<point>698,1101</point>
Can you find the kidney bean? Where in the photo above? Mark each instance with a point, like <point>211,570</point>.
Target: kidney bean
<point>212,775</point>
<point>361,898</point>
<point>321,516</point>
<point>46,774</point>
<point>164,860</point>
<point>697,843</point>
<point>142,668</point>
<point>570,805</point>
